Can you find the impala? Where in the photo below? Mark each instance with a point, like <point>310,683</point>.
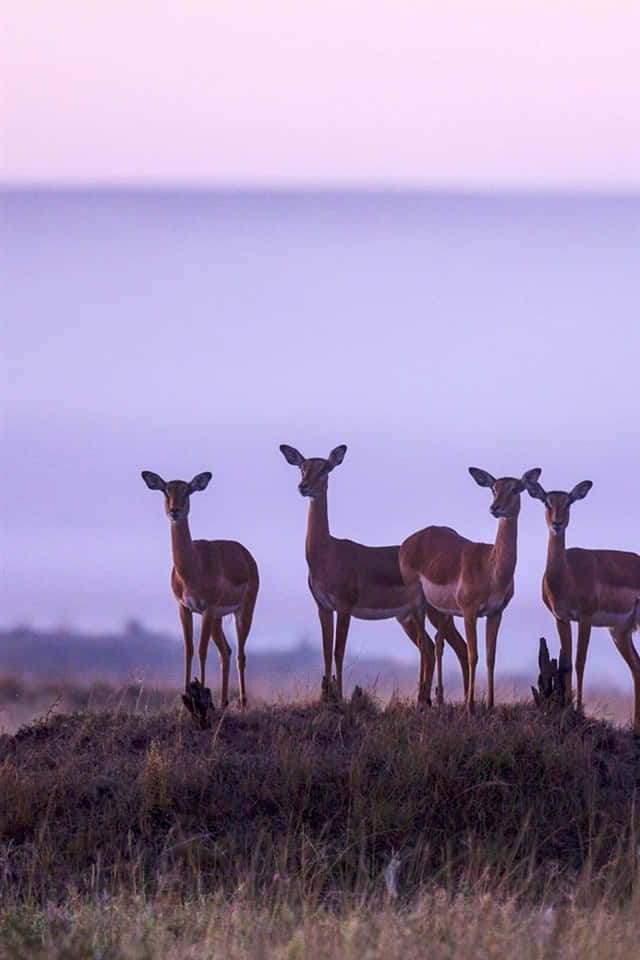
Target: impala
<point>353,580</point>
<point>463,578</point>
<point>596,588</point>
<point>209,577</point>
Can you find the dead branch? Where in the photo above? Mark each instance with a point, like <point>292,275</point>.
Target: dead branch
<point>554,680</point>
<point>199,703</point>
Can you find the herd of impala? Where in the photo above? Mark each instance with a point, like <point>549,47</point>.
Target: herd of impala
<point>435,573</point>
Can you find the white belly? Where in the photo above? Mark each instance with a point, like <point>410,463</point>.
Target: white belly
<point>192,603</point>
<point>199,606</point>
<point>326,600</point>
<point>442,598</point>
<point>618,621</point>
<point>380,613</point>
<point>493,605</point>
<point>223,611</point>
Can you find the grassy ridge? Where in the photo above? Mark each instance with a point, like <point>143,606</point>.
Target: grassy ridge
<point>139,836</point>
<point>316,800</point>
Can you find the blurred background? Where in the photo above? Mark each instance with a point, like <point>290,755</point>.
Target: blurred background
<point>408,228</point>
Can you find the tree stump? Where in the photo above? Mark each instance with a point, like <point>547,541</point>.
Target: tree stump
<point>199,703</point>
<point>554,680</point>
<point>330,690</point>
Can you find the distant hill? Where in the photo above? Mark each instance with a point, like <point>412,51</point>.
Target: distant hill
<point>136,653</point>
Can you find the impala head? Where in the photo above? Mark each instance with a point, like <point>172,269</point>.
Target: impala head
<point>315,471</point>
<point>558,503</point>
<point>176,492</point>
<point>506,490</point>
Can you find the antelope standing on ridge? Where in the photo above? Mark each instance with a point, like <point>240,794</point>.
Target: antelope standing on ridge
<point>463,578</point>
<point>354,580</point>
<point>209,577</point>
<point>596,588</point>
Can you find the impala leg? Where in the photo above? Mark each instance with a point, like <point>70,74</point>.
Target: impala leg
<point>243,619</point>
<point>224,652</point>
<point>439,647</point>
<point>326,623</point>
<point>342,629</point>
<point>491,637</point>
<point>470,629</point>
<point>412,630</point>
<point>427,657</point>
<point>624,642</point>
<point>457,644</point>
<point>186,619</point>
<point>564,632</point>
<point>427,665</point>
<point>444,623</point>
<point>584,632</point>
<point>205,633</point>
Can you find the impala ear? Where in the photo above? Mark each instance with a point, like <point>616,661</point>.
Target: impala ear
<point>536,490</point>
<point>481,477</point>
<point>154,481</point>
<point>291,455</point>
<point>580,490</point>
<point>337,456</point>
<point>531,476</point>
<point>199,482</point>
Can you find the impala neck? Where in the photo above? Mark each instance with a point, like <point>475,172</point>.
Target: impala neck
<point>505,550</point>
<point>184,558</point>
<point>318,535</point>
<point>556,556</point>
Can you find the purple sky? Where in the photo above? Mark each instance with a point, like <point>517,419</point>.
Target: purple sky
<point>345,91</point>
<point>183,334</point>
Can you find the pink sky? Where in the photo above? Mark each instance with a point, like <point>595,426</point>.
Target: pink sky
<point>499,93</point>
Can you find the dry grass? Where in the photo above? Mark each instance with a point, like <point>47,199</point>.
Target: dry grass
<point>135,835</point>
<point>434,925</point>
